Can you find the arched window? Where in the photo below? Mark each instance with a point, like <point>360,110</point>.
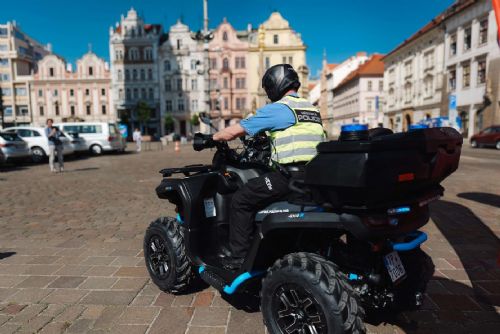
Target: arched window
<point>225,64</point>
<point>224,36</point>
<point>166,65</point>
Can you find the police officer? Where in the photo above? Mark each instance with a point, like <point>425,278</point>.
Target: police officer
<point>295,128</point>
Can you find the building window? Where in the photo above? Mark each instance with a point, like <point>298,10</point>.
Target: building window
<point>127,75</point>
<point>133,54</point>
<point>225,83</point>
<point>103,92</point>
<point>91,71</point>
<point>481,71</point>
<point>179,44</point>
<point>467,38</point>
<point>380,85</point>
<point>369,106</point>
<point>56,108</point>
<point>134,74</point>
<point>148,54</point>
<point>55,92</point>
<point>483,31</point>
<point>240,83</point>
<point>120,94</point>
<point>136,93</point>
<point>428,86</point>
<point>166,65</point>
<point>129,94</point>
<point>150,74</point>
<point>87,92</point>
<point>168,105</point>
<point>408,92</point>
<point>275,39</point>
<point>103,108</point>
<point>240,103</point>
<point>408,68</point>
<point>20,91</point>
<point>168,85</point>
<point>213,63</point>
<point>226,103</point>
<point>88,109</point>
<point>267,63</point>
<point>179,84</point>
<point>194,84</point>
<point>429,59</point>
<point>143,93</point>
<point>119,75</point>
<point>151,94</point>
<point>213,83</point>
<point>240,62</point>
<point>466,75</point>
<point>180,104</point>
<point>452,79</point>
<point>290,60</point>
<point>40,93</point>
<point>453,45</point>
<point>72,110</point>
<point>369,85</point>
<point>225,64</point>
<point>224,36</point>
<point>41,110</point>
<point>194,105</point>
<point>143,75</point>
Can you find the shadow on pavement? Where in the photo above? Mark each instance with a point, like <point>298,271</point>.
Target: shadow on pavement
<point>484,198</point>
<point>6,255</point>
<point>80,169</point>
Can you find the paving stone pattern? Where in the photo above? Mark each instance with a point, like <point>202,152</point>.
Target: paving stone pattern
<point>71,253</point>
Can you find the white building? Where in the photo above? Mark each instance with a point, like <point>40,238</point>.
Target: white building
<point>332,76</point>
<point>357,98</point>
<point>182,84</point>
<point>413,78</point>
<point>19,54</point>
<point>314,92</point>
<point>471,50</point>
<point>133,47</point>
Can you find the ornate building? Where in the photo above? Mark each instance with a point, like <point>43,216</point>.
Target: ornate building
<point>133,47</point>
<point>275,43</point>
<point>228,81</point>
<point>182,85</point>
<point>19,54</point>
<point>63,95</point>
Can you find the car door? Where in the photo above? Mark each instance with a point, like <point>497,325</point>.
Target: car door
<point>488,137</point>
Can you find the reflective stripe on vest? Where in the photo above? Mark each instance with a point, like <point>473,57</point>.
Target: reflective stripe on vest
<point>298,142</point>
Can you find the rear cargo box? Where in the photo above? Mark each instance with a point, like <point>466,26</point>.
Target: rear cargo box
<point>384,169</point>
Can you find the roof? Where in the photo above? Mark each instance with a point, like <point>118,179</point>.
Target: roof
<point>372,67</point>
<point>455,8</point>
<point>331,66</point>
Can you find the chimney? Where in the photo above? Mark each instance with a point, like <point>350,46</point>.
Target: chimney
<point>361,54</point>
<point>249,27</point>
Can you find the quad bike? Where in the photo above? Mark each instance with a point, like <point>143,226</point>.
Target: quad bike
<point>345,240</point>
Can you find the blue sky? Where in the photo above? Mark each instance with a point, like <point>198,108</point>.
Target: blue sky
<point>340,27</point>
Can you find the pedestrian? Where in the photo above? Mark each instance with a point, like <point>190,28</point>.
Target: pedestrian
<point>137,137</point>
<point>55,146</point>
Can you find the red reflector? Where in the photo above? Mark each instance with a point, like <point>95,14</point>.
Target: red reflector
<point>406,177</point>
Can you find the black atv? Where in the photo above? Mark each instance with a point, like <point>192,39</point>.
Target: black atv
<point>345,240</point>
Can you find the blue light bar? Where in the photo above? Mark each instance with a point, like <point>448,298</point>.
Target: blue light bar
<point>402,209</point>
<point>354,127</point>
<point>418,126</point>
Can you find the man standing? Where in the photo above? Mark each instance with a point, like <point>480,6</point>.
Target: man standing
<point>137,137</point>
<point>296,129</point>
<point>55,145</point>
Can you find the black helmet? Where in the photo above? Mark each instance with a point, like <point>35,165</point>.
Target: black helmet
<point>278,80</point>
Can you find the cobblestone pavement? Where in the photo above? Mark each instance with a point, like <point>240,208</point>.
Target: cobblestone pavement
<point>71,258</point>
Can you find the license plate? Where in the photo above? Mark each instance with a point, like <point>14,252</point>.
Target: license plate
<point>394,266</point>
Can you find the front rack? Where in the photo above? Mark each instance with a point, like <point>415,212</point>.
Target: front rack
<point>186,170</point>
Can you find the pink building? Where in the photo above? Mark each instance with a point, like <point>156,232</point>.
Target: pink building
<point>63,95</point>
<point>228,53</point>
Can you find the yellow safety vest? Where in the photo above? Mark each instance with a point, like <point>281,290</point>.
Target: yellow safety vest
<point>298,142</point>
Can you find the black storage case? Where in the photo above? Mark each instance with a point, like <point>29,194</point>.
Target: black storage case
<point>384,169</point>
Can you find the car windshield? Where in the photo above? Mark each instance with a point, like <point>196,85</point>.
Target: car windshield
<point>10,136</point>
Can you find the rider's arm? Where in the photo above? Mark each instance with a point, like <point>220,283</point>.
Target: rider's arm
<point>229,133</point>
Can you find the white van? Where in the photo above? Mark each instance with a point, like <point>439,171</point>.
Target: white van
<point>99,136</point>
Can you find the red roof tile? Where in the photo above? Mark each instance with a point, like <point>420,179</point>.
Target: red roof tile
<point>372,67</point>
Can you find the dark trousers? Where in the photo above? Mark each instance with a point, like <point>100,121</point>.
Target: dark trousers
<point>252,197</point>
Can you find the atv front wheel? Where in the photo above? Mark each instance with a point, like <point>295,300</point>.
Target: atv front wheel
<point>304,293</point>
<point>165,255</point>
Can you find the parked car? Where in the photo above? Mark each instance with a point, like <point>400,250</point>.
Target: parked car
<point>99,136</point>
<point>79,144</point>
<point>488,137</point>
<point>13,147</point>
<point>38,142</point>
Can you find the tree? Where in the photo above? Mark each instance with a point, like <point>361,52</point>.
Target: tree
<point>143,113</point>
<point>195,120</point>
<point>169,123</point>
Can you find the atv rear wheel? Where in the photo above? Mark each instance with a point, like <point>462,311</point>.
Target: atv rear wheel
<point>165,255</point>
<point>304,293</point>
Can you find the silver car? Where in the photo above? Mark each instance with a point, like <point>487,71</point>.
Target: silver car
<point>13,147</point>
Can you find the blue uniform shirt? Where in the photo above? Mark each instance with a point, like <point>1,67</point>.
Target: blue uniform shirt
<point>271,117</point>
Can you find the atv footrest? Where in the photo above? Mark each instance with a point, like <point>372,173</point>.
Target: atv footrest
<point>212,278</point>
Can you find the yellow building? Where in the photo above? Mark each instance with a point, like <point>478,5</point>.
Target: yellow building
<point>274,43</point>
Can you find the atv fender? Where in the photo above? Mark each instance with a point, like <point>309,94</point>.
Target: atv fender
<point>175,191</point>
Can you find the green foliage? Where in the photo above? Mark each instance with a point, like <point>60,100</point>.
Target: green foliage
<point>143,113</point>
<point>195,120</point>
<point>169,123</point>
